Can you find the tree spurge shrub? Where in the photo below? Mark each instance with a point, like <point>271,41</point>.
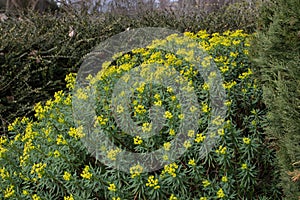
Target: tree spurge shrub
<point>47,160</point>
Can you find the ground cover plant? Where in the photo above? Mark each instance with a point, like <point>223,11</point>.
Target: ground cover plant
<point>46,159</point>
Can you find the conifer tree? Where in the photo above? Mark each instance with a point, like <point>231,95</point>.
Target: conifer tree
<point>276,51</point>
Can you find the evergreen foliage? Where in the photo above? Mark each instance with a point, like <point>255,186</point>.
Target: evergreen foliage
<point>277,52</point>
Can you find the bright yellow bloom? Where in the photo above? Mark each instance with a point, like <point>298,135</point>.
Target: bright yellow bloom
<point>36,197</point>
<point>70,79</point>
<point>152,183</point>
<point>60,140</point>
<point>76,133</point>
<point>67,176</point>
<point>56,153</point>
<point>38,169</point>
<point>9,191</point>
<point>203,198</point>
<point>246,140</point>
<point>168,115</point>
<point>221,150</point>
<point>220,193</point>
<point>116,198</point>
<point>167,146</point>
<point>200,138</point>
<point>120,109</point>
<point>172,132</point>
<point>244,166</point>
<point>173,197</point>
<point>112,187</point>
<point>205,183</point>
<point>69,197</point>
<point>187,144</point>
<point>137,140</point>
<point>224,179</point>
<point>205,108</point>
<point>85,173</point>
<point>136,170</point>
<point>192,162</point>
<point>170,169</point>
<point>140,109</point>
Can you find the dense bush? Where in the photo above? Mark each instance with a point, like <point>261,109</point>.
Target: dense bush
<point>47,160</point>
<point>277,50</point>
<point>38,50</point>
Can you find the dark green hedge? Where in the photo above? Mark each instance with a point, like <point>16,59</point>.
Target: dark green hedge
<point>277,53</point>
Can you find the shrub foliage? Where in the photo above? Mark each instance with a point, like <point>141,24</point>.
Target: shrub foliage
<point>37,50</point>
<point>47,160</point>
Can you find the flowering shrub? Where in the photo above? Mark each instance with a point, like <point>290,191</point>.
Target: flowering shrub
<point>47,160</point>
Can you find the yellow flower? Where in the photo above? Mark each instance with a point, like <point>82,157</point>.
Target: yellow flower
<point>158,103</point>
<point>136,170</point>
<point>116,198</point>
<point>244,166</point>
<point>9,191</point>
<point>170,169</point>
<point>220,193</point>
<point>152,183</point>
<point>112,187</point>
<point>200,138</point>
<point>224,179</point>
<point>38,169</point>
<point>246,140</point>
<point>36,197</point>
<point>187,144</point>
<point>67,176</point>
<point>112,154</point>
<point>76,133</point>
<point>70,79</point>
<point>180,116</point>
<point>165,157</point>
<point>56,153</point>
<point>203,198</point>
<point>69,197</point>
<point>85,173</point>
<point>120,109</point>
<point>172,132</point>
<point>205,108</point>
<point>137,140</point>
<point>60,140</point>
<point>221,132</point>
<point>173,197</point>
<point>25,192</point>
<point>221,150</point>
<point>168,115</point>
<point>140,109</point>
<point>234,54</point>
<point>229,85</point>
<point>147,127</point>
<point>192,162</point>
<point>167,146</point>
<point>205,183</point>
<point>191,133</point>
<point>193,109</point>
<point>157,96</point>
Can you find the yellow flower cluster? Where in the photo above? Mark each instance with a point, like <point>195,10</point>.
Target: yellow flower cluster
<point>170,169</point>
<point>152,183</point>
<point>221,150</point>
<point>86,174</point>
<point>136,170</point>
<point>137,140</point>
<point>246,140</point>
<point>173,197</point>
<point>76,133</point>
<point>205,183</point>
<point>9,191</point>
<point>70,79</point>
<point>112,187</point>
<point>67,176</point>
<point>112,153</point>
<point>38,169</point>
